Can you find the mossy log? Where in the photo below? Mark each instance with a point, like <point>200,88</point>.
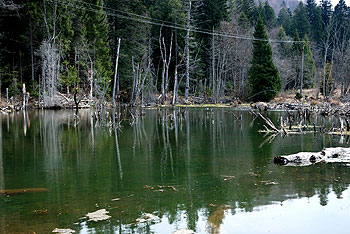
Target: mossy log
<point>328,155</point>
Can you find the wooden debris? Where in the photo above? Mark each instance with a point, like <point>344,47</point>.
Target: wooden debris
<point>269,123</point>
<point>269,182</point>
<point>147,217</point>
<point>98,215</point>
<point>116,199</point>
<point>21,191</point>
<point>253,174</point>
<point>226,177</point>
<point>168,186</point>
<point>159,190</point>
<point>39,212</point>
<point>148,187</point>
<point>328,155</point>
<point>63,231</point>
<point>184,231</point>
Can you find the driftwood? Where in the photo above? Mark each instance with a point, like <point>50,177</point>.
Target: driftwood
<point>20,191</point>
<point>98,215</point>
<point>328,155</point>
<point>63,231</point>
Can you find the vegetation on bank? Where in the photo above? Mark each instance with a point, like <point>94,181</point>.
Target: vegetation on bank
<point>138,52</point>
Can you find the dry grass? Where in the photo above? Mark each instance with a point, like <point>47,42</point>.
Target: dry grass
<point>309,97</point>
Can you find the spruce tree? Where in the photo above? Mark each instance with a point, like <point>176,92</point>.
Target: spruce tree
<point>301,21</point>
<point>264,79</point>
<point>315,19</point>
<point>341,22</point>
<point>285,20</point>
<point>98,35</point>
<point>269,15</point>
<point>309,65</point>
<point>326,7</point>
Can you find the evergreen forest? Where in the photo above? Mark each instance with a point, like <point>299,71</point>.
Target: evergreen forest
<point>172,51</point>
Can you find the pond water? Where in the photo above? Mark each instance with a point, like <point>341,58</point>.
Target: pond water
<point>199,169</point>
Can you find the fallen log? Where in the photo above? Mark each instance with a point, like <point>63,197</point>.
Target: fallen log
<point>20,191</point>
<point>328,155</point>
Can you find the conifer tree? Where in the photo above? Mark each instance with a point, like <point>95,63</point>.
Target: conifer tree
<point>269,15</point>
<point>264,78</point>
<point>285,20</point>
<point>309,65</point>
<point>283,48</point>
<point>301,21</point>
<point>98,36</point>
<point>341,22</point>
<point>248,8</point>
<point>326,7</point>
<point>315,19</point>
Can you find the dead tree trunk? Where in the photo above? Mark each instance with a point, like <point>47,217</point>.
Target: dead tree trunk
<point>302,71</point>
<point>50,57</point>
<point>91,77</point>
<point>166,64</point>
<point>328,155</point>
<point>175,86</point>
<point>115,74</point>
<point>187,49</point>
<point>213,66</point>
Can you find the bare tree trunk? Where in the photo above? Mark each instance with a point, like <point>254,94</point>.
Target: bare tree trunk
<point>91,74</point>
<point>0,87</point>
<point>302,72</point>
<point>20,66</point>
<point>175,86</point>
<point>163,84</point>
<point>115,73</point>
<point>24,92</point>
<point>2,174</point>
<point>213,66</point>
<point>7,97</point>
<point>326,46</point>
<point>167,61</point>
<point>166,64</point>
<point>187,49</point>
<point>32,53</point>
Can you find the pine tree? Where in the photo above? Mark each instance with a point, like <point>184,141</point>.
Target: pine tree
<point>283,48</point>
<point>341,21</point>
<point>309,65</point>
<point>326,7</point>
<point>340,12</point>
<point>264,78</point>
<point>248,8</point>
<point>285,20</point>
<point>301,21</point>
<point>98,37</point>
<point>315,19</point>
<point>269,15</point>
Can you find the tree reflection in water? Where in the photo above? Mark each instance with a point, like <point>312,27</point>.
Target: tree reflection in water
<point>217,164</point>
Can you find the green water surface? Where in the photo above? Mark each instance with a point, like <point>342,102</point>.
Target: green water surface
<point>221,169</point>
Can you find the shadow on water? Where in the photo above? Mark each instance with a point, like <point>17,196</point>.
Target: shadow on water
<point>192,168</point>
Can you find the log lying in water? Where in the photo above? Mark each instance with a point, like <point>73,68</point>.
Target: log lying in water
<point>328,155</point>
<point>20,191</point>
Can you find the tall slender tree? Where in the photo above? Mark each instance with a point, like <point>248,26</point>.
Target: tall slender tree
<point>264,78</point>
